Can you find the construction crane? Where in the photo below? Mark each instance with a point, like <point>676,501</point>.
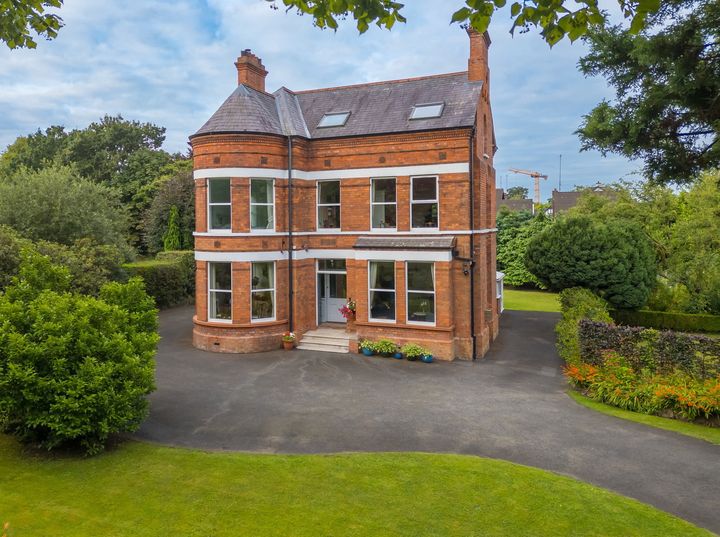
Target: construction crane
<point>536,176</point>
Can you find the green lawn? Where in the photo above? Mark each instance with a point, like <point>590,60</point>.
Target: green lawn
<point>710,434</point>
<point>147,490</point>
<point>519,299</point>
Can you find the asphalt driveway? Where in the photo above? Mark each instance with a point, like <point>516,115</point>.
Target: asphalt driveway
<point>511,405</point>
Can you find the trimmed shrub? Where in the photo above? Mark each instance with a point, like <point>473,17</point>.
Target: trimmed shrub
<point>165,280</point>
<point>577,304</point>
<point>668,320</point>
<point>73,369</point>
<point>647,349</point>
<point>186,258</point>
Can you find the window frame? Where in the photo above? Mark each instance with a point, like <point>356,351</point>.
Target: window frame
<point>346,113</point>
<point>393,291</point>
<point>408,291</point>
<point>211,204</point>
<point>374,203</point>
<point>318,205</point>
<point>419,106</point>
<point>420,202</point>
<point>212,291</point>
<point>272,204</point>
<point>271,290</point>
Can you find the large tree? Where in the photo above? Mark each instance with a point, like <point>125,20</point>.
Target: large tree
<point>613,259</point>
<point>667,81</point>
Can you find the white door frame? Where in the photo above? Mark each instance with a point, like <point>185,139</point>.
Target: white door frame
<point>318,273</point>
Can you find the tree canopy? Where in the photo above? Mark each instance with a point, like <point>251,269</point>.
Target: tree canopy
<point>667,80</point>
<point>556,19</point>
<point>517,193</point>
<point>613,259</point>
<point>20,19</point>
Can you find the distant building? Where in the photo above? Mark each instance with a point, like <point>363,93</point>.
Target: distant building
<point>564,201</point>
<point>512,205</point>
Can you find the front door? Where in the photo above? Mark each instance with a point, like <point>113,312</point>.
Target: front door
<point>332,294</point>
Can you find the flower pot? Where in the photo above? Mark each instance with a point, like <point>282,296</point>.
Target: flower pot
<point>288,345</point>
<point>367,352</point>
<point>427,358</point>
<point>398,356</point>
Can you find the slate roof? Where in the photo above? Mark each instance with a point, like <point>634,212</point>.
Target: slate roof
<point>375,108</point>
<point>405,243</point>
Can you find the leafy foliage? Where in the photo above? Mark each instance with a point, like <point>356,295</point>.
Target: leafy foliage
<point>668,320</point>
<point>20,19</point>
<point>556,19</point>
<point>684,229</point>
<point>171,239</point>
<point>618,384</point>
<point>667,80</point>
<point>73,369</point>
<point>646,348</point>
<point>168,281</point>
<point>175,189</point>
<point>515,231</point>
<point>11,244</point>
<point>384,346</point>
<point>577,304</point>
<point>613,259</point>
<point>517,193</point>
<point>55,204</point>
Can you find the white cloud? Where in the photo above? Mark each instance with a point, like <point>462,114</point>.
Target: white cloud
<point>171,63</point>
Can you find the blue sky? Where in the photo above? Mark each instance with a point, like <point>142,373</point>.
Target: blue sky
<point>170,62</point>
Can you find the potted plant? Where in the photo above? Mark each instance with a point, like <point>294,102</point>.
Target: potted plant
<point>384,347</point>
<point>412,351</point>
<point>427,357</point>
<point>347,310</point>
<point>288,340</point>
<point>398,355</point>
<point>366,347</point>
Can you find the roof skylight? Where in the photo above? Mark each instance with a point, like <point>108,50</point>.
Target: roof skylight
<point>426,111</point>
<point>335,119</point>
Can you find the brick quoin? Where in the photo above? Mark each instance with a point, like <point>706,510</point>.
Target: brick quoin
<point>473,228</point>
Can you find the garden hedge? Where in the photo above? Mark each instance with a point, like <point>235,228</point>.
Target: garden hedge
<point>643,348</point>
<point>666,320</point>
<point>170,279</point>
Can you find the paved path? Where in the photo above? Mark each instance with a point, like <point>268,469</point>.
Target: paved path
<point>512,405</point>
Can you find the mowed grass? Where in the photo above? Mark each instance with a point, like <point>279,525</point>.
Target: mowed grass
<point>520,299</point>
<point>141,489</point>
<point>709,434</point>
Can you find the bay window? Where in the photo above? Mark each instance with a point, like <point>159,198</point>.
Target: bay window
<point>262,204</point>
<point>262,291</point>
<point>424,203</point>
<point>220,291</point>
<point>328,204</point>
<point>219,203</point>
<point>420,292</point>
<point>384,203</point>
<point>382,290</point>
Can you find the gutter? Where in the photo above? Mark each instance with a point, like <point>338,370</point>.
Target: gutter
<point>472,243</point>
<point>290,235</point>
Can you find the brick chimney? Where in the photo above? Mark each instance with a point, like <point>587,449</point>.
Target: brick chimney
<point>478,61</point>
<point>251,71</point>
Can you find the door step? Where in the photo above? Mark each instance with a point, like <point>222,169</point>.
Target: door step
<point>325,340</point>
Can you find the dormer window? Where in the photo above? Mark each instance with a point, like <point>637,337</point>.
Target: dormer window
<point>334,119</point>
<point>427,111</point>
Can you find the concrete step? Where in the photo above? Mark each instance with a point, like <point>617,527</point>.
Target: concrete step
<point>325,339</point>
<point>343,349</point>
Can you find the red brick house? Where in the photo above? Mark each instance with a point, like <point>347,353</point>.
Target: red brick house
<point>382,192</point>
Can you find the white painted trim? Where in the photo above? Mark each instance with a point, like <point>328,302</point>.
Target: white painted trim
<point>374,203</point>
<point>320,253</point>
<point>413,202</point>
<point>262,231</point>
<point>210,292</point>
<point>272,290</point>
<point>318,205</point>
<point>353,173</point>
<point>379,231</point>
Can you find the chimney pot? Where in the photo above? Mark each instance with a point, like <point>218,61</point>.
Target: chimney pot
<point>251,71</point>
